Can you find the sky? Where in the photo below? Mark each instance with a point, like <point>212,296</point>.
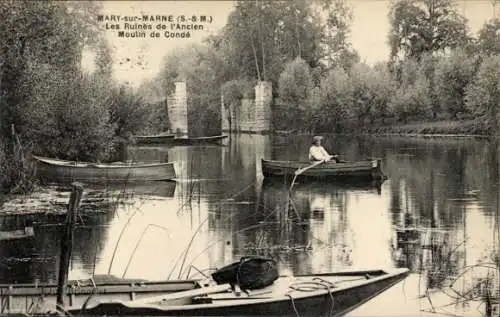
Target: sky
<point>138,59</point>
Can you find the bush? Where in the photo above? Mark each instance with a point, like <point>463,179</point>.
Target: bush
<point>483,92</point>
<point>452,75</point>
<point>335,97</point>
<point>296,94</point>
<point>412,98</point>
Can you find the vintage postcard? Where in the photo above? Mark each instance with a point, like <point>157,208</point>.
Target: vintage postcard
<point>250,158</point>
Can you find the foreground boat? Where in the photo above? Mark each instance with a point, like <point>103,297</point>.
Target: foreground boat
<point>333,294</point>
<point>61,171</point>
<point>361,170</point>
<point>153,139</point>
<point>16,298</point>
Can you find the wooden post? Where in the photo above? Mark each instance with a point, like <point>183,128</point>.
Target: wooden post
<point>67,242</point>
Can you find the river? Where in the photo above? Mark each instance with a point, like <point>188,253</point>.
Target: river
<point>437,214</point>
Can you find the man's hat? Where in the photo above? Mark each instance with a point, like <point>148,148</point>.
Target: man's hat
<point>317,138</point>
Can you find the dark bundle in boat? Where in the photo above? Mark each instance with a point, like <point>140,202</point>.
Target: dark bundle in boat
<point>249,273</point>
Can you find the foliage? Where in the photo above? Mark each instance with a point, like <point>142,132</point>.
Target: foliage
<point>412,97</point>
<point>452,75</point>
<point>202,69</point>
<point>483,92</point>
<point>335,96</point>
<point>260,37</point>
<point>488,41</point>
<point>40,81</point>
<point>235,90</point>
<point>336,49</point>
<point>295,90</point>
<point>68,121</point>
<point>423,26</point>
<point>381,86</point>
<point>128,112</point>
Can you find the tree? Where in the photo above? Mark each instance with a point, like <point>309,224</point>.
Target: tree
<point>233,92</point>
<point>37,36</point>
<point>295,90</point>
<point>483,92</point>
<point>260,37</point>
<point>382,88</point>
<point>488,41</point>
<point>452,75</point>
<point>336,19</point>
<point>335,97</point>
<point>411,99</point>
<point>202,69</point>
<point>420,26</point>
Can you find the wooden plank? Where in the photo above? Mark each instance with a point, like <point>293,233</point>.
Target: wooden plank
<point>180,295</point>
<point>16,290</point>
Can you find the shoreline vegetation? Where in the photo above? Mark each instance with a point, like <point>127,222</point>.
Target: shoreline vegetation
<point>440,79</point>
<point>444,128</point>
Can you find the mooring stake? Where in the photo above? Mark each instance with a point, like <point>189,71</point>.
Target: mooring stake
<point>67,242</point>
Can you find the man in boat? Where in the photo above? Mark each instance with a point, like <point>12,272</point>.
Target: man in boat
<point>318,153</point>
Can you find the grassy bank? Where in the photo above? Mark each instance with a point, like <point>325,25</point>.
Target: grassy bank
<point>446,127</point>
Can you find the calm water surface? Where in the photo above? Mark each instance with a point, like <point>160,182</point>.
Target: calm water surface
<point>437,214</point>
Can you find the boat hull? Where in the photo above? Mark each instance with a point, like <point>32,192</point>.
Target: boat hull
<point>334,301</point>
<point>153,139</point>
<point>16,298</point>
<point>362,170</point>
<point>197,141</point>
<point>181,141</point>
<point>67,171</point>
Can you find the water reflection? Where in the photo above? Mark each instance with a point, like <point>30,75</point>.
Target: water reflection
<point>436,214</point>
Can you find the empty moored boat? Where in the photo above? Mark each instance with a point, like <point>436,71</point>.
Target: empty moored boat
<point>361,170</point>
<point>216,139</point>
<point>173,140</point>
<point>153,139</point>
<point>52,170</point>
<point>333,294</point>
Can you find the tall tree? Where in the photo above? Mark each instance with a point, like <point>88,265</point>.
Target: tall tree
<point>488,41</point>
<point>262,36</point>
<point>420,26</point>
<point>336,18</point>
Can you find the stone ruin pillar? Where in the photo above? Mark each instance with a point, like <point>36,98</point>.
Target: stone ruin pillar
<point>263,101</point>
<point>177,110</point>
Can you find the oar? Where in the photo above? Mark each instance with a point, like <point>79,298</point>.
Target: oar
<point>302,170</point>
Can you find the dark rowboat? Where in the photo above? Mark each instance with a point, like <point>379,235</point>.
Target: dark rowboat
<point>361,170</point>
<point>153,139</point>
<point>172,140</point>
<point>216,139</point>
<point>20,297</point>
<point>62,171</point>
<point>333,294</point>
<point>28,232</point>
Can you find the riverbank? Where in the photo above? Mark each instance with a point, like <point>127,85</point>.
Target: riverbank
<point>435,128</point>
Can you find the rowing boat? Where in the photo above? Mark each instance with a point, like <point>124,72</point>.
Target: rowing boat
<point>9,235</point>
<point>172,140</point>
<point>49,169</point>
<point>332,294</point>
<point>366,170</point>
<point>153,139</point>
<point>20,297</point>
<point>216,139</point>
